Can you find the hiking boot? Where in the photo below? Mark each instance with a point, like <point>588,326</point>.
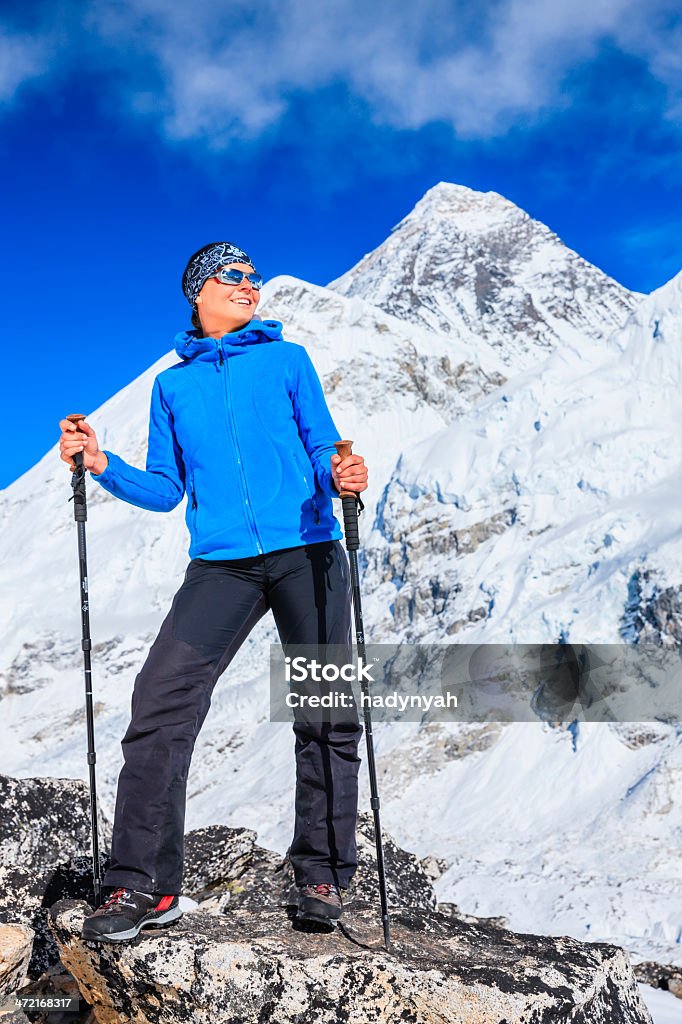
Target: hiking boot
<point>126,912</point>
<point>319,903</point>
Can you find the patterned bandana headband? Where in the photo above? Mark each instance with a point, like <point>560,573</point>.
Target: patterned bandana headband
<point>205,263</point>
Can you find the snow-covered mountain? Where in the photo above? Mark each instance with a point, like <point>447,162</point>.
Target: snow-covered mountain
<point>556,496</point>
<point>475,266</point>
<point>523,441</point>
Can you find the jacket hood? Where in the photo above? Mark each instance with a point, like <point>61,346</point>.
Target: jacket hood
<point>190,346</point>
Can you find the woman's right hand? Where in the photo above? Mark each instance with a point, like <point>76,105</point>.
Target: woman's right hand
<point>80,437</point>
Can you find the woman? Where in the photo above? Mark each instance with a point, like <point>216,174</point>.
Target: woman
<point>241,425</point>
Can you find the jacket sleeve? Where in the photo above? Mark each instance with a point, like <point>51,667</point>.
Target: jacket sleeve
<point>161,486</point>
<point>315,424</point>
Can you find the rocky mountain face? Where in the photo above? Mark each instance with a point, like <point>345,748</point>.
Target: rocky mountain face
<point>551,499</point>
<point>521,428</point>
<point>473,265</point>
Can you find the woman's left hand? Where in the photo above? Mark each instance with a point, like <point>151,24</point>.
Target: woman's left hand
<point>349,474</point>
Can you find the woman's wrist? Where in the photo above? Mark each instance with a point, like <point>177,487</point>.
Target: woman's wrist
<point>100,464</point>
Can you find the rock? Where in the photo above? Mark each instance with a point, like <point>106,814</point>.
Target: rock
<point>653,613</point>
<point>45,822</point>
<point>417,546</point>
<point>434,867</point>
<point>452,910</point>
<point>407,883</point>
<point>16,942</point>
<point>45,854</point>
<point>242,956</point>
<point>251,965</point>
<point>25,895</point>
<point>665,976</point>
<point>55,982</point>
<point>214,857</point>
<point>251,876</point>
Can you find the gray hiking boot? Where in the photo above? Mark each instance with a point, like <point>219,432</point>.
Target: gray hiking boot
<point>319,903</point>
<point>126,912</point>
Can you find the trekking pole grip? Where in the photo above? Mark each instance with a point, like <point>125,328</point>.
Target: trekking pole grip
<point>349,503</point>
<point>76,417</point>
<point>80,509</point>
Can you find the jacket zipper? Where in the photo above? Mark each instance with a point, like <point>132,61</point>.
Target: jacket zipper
<point>228,408</point>
<point>313,502</point>
<point>194,506</point>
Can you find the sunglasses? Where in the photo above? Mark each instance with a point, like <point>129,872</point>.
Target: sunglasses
<point>234,277</point>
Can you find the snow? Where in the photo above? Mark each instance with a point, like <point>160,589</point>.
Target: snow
<point>665,1008</point>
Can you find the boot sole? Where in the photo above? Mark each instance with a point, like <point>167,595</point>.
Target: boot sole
<point>307,915</point>
<point>166,918</point>
<point>316,910</point>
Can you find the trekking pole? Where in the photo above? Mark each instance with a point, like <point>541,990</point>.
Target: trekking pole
<point>80,514</point>
<point>351,513</point>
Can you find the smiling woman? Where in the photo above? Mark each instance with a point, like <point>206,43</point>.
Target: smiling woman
<point>227,301</point>
<point>241,425</point>
<point>227,293</point>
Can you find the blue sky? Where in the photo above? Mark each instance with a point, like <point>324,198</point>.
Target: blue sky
<point>133,133</point>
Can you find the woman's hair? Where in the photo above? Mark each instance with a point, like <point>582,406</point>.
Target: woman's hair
<point>196,320</point>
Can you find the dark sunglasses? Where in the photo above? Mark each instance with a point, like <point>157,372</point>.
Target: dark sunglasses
<point>233,276</point>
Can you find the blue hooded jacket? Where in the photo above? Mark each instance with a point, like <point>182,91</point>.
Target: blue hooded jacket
<point>240,424</point>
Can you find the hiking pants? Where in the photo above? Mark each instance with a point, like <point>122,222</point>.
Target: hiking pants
<point>218,604</point>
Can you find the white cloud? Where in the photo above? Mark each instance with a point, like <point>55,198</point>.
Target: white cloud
<point>22,58</point>
<point>223,73</point>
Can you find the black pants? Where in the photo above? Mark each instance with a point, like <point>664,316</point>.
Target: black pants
<point>212,613</point>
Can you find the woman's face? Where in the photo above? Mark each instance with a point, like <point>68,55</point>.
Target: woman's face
<point>227,306</point>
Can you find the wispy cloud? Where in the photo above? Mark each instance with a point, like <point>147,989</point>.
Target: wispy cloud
<point>22,58</point>
<point>222,74</point>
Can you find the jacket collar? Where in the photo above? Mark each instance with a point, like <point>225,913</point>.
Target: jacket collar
<point>191,347</point>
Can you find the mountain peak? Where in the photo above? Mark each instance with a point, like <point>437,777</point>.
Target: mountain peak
<point>473,209</point>
<point>472,214</point>
<point>474,265</point>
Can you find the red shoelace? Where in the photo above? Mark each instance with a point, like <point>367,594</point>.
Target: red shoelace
<point>116,895</point>
<point>324,888</point>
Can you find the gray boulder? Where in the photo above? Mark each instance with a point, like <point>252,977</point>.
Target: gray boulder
<point>252,964</point>
<point>241,956</point>
<point>45,855</point>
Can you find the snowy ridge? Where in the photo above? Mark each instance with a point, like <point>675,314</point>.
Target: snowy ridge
<point>524,451</point>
